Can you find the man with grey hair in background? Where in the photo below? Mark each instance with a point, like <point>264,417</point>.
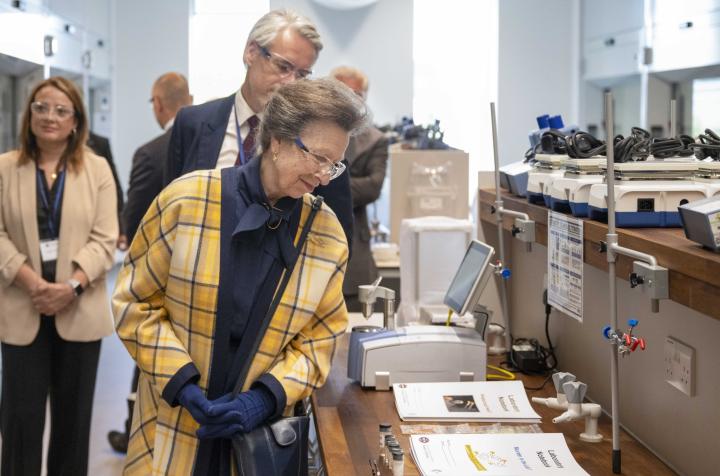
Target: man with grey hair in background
<point>282,47</point>
<point>367,156</point>
<point>170,93</point>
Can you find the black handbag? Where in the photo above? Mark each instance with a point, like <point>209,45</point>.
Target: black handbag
<point>278,448</point>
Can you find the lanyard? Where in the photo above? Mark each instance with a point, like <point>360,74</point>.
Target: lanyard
<point>54,213</point>
<point>241,149</point>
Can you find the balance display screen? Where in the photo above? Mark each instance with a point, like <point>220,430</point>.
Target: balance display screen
<point>468,275</point>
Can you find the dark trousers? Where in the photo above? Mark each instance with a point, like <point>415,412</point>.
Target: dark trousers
<point>65,371</point>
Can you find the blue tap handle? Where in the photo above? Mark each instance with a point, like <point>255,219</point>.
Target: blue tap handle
<point>506,273</point>
<point>606,332</point>
<point>633,322</point>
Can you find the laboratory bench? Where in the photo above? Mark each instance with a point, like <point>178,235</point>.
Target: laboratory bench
<point>347,418</point>
<point>694,272</point>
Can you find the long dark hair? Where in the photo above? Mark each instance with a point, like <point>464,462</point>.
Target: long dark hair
<point>73,154</point>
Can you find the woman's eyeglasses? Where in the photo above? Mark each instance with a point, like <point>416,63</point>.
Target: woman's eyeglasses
<point>327,167</point>
<point>45,109</point>
<point>284,67</point>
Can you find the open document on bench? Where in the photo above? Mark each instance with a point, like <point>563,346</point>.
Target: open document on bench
<point>494,454</point>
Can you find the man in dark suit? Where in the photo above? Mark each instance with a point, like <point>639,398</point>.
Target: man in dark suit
<point>281,47</point>
<point>367,156</point>
<point>170,93</point>
<point>101,146</point>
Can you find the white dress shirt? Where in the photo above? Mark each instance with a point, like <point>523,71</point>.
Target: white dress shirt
<point>169,124</point>
<point>229,149</point>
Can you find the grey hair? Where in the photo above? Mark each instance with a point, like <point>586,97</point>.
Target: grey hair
<point>295,105</point>
<point>274,22</point>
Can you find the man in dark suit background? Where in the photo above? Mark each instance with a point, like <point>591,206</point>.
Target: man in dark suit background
<point>367,156</point>
<point>281,47</point>
<point>101,146</point>
<point>170,93</point>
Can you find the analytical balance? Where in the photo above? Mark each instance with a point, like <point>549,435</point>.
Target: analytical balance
<point>648,193</point>
<point>426,353</point>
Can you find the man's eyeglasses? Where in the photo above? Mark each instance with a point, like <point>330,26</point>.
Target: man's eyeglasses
<point>282,66</point>
<point>327,167</point>
<point>44,109</point>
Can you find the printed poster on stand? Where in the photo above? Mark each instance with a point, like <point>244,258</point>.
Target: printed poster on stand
<point>565,264</point>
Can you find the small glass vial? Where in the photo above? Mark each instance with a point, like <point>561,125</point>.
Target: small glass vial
<point>398,463</point>
<point>389,439</point>
<point>385,429</point>
<point>392,448</point>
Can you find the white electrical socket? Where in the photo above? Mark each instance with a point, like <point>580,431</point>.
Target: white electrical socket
<point>679,360</point>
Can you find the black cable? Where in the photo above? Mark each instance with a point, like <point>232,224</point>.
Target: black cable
<point>636,146</point>
<point>532,389</point>
<point>708,145</point>
<point>553,142</point>
<point>681,146</point>
<point>548,310</point>
<point>583,145</point>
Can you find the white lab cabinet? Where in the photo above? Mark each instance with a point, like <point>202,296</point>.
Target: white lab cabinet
<point>606,18</point>
<point>613,55</point>
<point>689,40</point>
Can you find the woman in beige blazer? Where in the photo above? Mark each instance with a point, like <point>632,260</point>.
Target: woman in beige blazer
<point>58,226</point>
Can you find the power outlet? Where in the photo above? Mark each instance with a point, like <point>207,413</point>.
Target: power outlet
<point>679,360</point>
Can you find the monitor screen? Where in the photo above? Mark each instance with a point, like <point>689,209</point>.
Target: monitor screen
<point>470,279</point>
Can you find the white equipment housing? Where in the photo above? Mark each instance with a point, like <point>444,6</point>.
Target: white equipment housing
<point>647,194</point>
<point>571,193</point>
<point>421,354</point>
<point>547,168</point>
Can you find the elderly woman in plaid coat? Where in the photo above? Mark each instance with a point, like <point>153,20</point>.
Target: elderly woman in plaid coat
<point>200,276</point>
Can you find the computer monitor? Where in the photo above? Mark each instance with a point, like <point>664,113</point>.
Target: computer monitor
<point>471,277</point>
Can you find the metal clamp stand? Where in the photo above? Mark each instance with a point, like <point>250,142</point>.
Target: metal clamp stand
<point>655,279</point>
<point>523,229</point>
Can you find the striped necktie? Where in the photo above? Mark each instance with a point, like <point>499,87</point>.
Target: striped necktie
<point>249,142</point>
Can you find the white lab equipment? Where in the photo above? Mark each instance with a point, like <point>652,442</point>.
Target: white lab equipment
<point>708,174</point>
<point>431,248</point>
<point>701,221</point>
<point>571,193</point>
<point>427,353</point>
<point>648,193</point>
<point>575,394</point>
<point>548,167</point>
<point>570,396</point>
<point>514,177</point>
<point>560,402</point>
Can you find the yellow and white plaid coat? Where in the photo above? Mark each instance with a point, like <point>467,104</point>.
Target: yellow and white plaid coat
<point>164,305</point>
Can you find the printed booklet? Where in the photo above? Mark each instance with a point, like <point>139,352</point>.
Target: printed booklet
<point>494,454</point>
<point>504,402</point>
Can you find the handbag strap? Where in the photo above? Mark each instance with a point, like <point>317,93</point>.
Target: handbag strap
<point>316,204</point>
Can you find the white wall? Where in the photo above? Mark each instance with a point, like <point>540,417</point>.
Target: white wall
<point>376,39</point>
<point>149,39</point>
<point>682,429</point>
<point>93,15</point>
<point>538,69</point>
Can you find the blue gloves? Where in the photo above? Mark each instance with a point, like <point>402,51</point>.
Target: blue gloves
<point>243,413</point>
<point>193,399</point>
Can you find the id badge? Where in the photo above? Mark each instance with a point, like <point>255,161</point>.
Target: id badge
<point>49,250</point>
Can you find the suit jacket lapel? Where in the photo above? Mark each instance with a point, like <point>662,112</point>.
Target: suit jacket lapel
<point>213,134</point>
<point>27,198</point>
<point>72,196</point>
